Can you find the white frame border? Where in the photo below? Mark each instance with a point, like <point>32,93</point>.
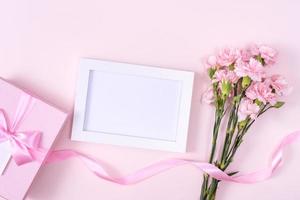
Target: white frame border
<point>88,65</point>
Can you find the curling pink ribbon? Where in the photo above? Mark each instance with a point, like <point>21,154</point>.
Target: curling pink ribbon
<point>99,170</point>
<point>24,145</point>
<point>25,148</point>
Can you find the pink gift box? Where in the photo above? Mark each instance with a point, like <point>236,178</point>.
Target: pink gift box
<point>16,180</point>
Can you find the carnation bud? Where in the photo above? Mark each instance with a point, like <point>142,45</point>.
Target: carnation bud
<point>258,102</point>
<point>231,67</point>
<point>226,88</point>
<point>242,124</point>
<point>260,59</point>
<point>211,72</point>
<point>279,104</point>
<point>246,81</point>
<point>237,98</point>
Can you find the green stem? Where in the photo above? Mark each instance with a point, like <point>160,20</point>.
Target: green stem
<point>230,146</point>
<point>218,118</point>
<point>212,189</point>
<point>211,192</point>
<point>214,141</point>
<point>230,130</point>
<point>239,137</point>
<point>231,127</point>
<point>204,187</point>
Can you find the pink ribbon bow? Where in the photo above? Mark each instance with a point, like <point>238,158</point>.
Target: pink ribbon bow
<point>24,145</point>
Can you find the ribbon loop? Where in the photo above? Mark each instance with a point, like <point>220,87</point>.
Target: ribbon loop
<point>24,144</point>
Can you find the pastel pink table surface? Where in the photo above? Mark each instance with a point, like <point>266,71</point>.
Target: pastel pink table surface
<point>40,46</point>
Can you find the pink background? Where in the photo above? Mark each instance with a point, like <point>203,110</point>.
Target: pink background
<point>42,41</point>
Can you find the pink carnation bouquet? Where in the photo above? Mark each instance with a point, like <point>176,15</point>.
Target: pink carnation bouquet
<point>242,90</point>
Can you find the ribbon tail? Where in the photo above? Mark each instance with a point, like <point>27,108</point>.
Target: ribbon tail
<point>99,169</point>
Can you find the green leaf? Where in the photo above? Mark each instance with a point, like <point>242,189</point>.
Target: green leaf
<point>232,173</point>
<point>279,104</point>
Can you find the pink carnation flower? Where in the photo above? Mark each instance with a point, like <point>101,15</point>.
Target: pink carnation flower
<point>246,55</point>
<point>249,52</point>
<point>254,49</point>
<point>208,96</point>
<point>247,108</point>
<point>268,54</point>
<point>253,69</point>
<point>227,56</point>
<point>211,62</point>
<point>279,84</point>
<point>225,75</point>
<point>263,92</point>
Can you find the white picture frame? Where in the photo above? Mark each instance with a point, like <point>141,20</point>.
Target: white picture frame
<point>132,105</point>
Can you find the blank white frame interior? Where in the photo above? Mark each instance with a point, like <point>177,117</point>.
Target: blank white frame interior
<point>132,105</point>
